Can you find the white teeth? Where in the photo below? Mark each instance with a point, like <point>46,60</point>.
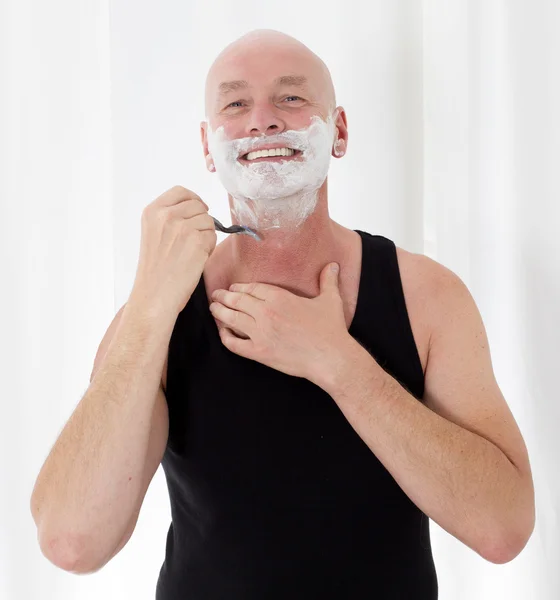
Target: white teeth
<point>273,152</point>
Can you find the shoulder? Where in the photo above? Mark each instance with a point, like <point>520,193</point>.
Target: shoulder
<point>424,273</point>
<point>434,293</point>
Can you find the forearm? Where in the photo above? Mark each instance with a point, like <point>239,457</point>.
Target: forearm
<point>88,487</point>
<point>459,479</point>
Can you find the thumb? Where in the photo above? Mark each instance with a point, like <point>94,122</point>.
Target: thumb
<point>329,278</point>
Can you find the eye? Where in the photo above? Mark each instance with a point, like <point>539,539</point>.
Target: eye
<point>240,101</point>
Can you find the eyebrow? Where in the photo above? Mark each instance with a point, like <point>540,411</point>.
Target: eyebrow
<point>229,86</point>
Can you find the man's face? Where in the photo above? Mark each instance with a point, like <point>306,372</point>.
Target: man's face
<point>263,96</point>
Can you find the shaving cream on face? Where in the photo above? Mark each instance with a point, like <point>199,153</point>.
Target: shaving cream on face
<point>272,194</point>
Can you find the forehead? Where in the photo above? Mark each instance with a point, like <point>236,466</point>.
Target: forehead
<point>256,67</point>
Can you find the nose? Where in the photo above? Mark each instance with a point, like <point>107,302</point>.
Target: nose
<point>264,122</point>
<point>266,130</point>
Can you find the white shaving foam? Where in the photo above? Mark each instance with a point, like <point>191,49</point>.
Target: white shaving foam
<point>274,194</point>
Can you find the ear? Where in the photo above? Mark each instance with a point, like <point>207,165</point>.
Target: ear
<point>204,139</point>
<point>340,143</point>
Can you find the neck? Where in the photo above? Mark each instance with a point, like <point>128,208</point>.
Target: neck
<point>287,257</point>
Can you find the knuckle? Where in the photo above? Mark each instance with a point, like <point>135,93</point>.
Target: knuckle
<point>269,313</point>
<point>185,233</point>
<point>167,216</point>
<point>165,220</point>
<point>234,299</point>
<point>147,217</point>
<point>274,295</point>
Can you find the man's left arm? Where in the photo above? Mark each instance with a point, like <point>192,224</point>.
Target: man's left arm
<point>459,456</point>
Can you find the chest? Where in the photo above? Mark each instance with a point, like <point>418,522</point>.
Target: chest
<point>414,294</point>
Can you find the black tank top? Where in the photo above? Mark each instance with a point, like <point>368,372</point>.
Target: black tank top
<point>273,493</point>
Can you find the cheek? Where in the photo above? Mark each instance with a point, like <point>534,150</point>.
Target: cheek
<point>231,130</point>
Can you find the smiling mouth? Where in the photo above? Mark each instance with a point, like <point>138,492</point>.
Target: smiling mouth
<point>296,154</point>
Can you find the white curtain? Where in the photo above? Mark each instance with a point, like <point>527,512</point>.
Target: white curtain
<point>454,144</point>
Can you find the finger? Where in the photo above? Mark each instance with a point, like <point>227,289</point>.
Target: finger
<point>238,301</point>
<point>189,208</point>
<point>236,333</point>
<point>262,291</point>
<point>233,318</point>
<point>235,344</point>
<point>177,194</point>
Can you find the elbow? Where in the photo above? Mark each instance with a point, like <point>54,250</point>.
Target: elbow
<point>75,553</point>
<point>503,554</point>
<point>65,552</point>
<point>508,547</point>
<point>71,553</point>
<point>510,541</point>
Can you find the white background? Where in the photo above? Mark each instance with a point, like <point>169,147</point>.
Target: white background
<point>454,146</point>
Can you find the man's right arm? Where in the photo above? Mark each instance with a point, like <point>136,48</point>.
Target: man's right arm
<point>88,494</point>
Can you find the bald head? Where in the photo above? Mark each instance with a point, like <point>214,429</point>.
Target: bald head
<point>258,51</point>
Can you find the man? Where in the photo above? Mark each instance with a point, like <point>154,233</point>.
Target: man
<point>349,405</point>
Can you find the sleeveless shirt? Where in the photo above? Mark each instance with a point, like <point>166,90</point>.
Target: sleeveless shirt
<point>273,494</point>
